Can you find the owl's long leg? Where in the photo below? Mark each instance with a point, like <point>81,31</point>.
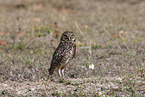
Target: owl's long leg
<point>62,72</point>
<point>59,72</point>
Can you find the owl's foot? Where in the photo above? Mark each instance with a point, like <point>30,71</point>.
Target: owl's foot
<point>61,80</point>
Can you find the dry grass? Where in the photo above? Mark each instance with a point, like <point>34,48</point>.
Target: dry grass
<point>114,31</point>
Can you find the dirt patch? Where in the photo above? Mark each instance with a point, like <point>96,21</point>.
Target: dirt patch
<point>99,86</point>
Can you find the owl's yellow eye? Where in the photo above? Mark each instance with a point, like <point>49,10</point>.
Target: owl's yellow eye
<point>72,38</point>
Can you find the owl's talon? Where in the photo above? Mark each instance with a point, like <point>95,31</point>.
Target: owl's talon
<point>61,80</point>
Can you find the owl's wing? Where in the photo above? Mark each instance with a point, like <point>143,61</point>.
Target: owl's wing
<point>59,53</point>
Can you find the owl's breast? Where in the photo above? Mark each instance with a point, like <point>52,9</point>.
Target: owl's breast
<point>68,54</point>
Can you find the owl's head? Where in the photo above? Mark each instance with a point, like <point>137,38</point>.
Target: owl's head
<point>68,36</point>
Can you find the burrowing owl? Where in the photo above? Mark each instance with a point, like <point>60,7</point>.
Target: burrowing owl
<point>65,52</point>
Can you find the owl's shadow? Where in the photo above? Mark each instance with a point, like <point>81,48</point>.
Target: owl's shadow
<point>56,78</point>
<point>52,79</point>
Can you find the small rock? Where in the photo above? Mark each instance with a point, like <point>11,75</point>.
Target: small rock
<point>91,66</point>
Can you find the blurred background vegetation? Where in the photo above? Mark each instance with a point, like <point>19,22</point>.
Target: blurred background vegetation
<point>110,36</point>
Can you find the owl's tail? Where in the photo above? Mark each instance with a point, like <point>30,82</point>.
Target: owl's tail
<point>51,70</point>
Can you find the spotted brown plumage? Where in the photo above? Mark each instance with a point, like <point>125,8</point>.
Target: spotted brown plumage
<point>64,53</point>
